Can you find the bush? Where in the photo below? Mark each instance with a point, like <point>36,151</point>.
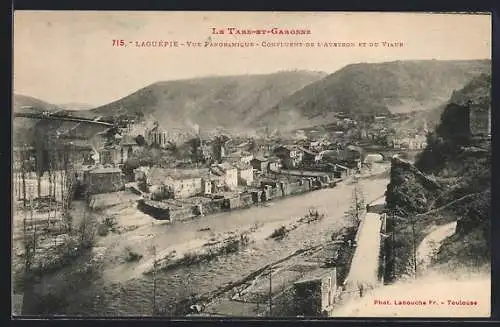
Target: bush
<point>279,233</point>
<point>102,230</point>
<point>110,223</point>
<point>131,256</point>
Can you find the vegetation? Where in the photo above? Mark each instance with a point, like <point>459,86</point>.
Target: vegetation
<point>141,141</point>
<point>345,255</point>
<point>369,89</point>
<point>473,229</point>
<point>215,101</point>
<point>353,215</point>
<point>465,172</point>
<point>131,256</point>
<point>226,247</point>
<point>279,233</point>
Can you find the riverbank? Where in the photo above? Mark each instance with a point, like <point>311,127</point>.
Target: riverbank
<point>124,290</point>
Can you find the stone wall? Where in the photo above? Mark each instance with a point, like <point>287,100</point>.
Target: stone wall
<point>267,193</point>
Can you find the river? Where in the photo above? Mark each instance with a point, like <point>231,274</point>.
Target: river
<point>133,297</point>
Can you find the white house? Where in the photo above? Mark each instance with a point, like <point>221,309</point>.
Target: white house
<point>229,172</point>
<point>245,173</point>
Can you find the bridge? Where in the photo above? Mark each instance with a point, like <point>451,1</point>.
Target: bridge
<point>386,153</point>
<point>49,116</point>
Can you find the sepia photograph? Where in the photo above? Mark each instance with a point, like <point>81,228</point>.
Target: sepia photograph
<point>192,165</point>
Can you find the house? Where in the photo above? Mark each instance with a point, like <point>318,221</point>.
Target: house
<point>274,164</point>
<point>315,293</point>
<point>104,180</point>
<point>409,143</point>
<point>179,183</point>
<point>241,156</point>
<point>373,157</point>
<point>260,164</point>
<point>309,157</point>
<point>341,171</point>
<point>352,152</point>
<point>229,172</point>
<point>245,173</point>
<point>291,156</point>
<point>212,183</point>
<point>110,155</point>
<point>128,145</point>
<point>314,144</point>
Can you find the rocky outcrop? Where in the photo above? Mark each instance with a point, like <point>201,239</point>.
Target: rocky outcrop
<point>424,179</point>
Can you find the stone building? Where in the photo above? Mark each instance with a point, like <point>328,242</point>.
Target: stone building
<point>245,173</point>
<point>104,180</point>
<point>179,183</point>
<point>291,156</point>
<point>315,294</point>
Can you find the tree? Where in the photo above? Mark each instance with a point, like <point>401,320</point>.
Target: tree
<point>358,204</point>
<point>194,145</point>
<point>252,146</point>
<point>141,141</point>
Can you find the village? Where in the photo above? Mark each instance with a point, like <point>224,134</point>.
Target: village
<point>136,173</point>
<point>177,175</point>
<point>183,174</point>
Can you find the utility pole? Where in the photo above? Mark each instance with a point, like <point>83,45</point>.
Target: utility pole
<point>414,247</point>
<point>270,291</point>
<point>393,265</point>
<point>356,203</point>
<point>153,250</point>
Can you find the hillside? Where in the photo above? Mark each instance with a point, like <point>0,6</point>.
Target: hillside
<point>391,87</point>
<point>476,90</point>
<point>461,164</point>
<point>76,106</point>
<point>227,101</point>
<point>21,102</point>
<point>24,128</point>
<point>33,131</point>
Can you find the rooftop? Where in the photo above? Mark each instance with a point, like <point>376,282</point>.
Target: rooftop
<point>217,171</point>
<point>242,165</point>
<point>106,170</point>
<point>158,175</point>
<point>288,147</point>
<point>260,158</point>
<point>342,167</point>
<point>315,275</point>
<point>225,166</point>
<point>354,148</point>
<point>307,151</point>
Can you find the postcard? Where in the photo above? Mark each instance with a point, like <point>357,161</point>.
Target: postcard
<point>251,164</point>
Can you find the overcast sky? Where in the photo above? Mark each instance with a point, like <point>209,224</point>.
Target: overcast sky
<point>63,57</point>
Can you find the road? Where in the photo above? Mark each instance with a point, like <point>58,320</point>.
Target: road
<point>365,262</point>
<point>432,242</point>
